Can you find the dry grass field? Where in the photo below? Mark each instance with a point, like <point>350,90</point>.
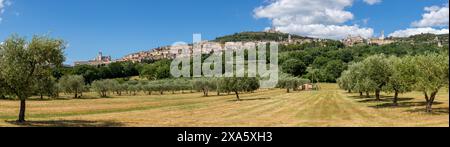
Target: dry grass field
<point>329,107</point>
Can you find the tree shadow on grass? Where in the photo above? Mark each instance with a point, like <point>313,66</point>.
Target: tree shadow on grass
<point>404,105</point>
<point>359,97</point>
<point>384,99</point>
<point>47,99</point>
<point>436,111</point>
<point>251,99</point>
<point>387,102</point>
<point>55,99</point>
<point>67,123</point>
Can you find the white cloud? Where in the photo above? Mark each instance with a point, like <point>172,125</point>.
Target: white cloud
<point>3,5</point>
<point>314,18</point>
<point>416,31</point>
<point>327,31</point>
<point>372,2</point>
<point>435,21</point>
<point>436,16</point>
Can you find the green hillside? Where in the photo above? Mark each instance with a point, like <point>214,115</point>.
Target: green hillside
<point>425,38</point>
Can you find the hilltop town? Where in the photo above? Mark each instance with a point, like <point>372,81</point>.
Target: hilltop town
<point>270,35</point>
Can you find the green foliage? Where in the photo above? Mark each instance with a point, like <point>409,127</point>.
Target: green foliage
<point>256,36</point>
<point>400,81</point>
<point>294,67</point>
<point>289,82</point>
<point>204,85</point>
<point>4,89</point>
<point>330,59</point>
<point>72,84</point>
<point>378,70</point>
<point>111,71</point>
<point>157,70</point>
<point>23,62</point>
<point>431,73</point>
<point>427,73</point>
<point>356,79</point>
<point>47,86</point>
<point>89,73</point>
<point>332,70</point>
<point>103,87</point>
<point>239,84</point>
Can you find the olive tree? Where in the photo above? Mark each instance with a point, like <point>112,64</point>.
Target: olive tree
<point>184,84</point>
<point>134,89</point>
<point>23,62</point>
<point>346,82</point>
<point>356,79</point>
<point>431,73</point>
<point>149,88</point>
<point>240,84</point>
<point>102,87</point>
<point>204,85</point>
<point>291,83</point>
<point>400,80</point>
<point>47,86</point>
<point>73,84</point>
<point>378,70</point>
<point>116,87</point>
<point>161,86</point>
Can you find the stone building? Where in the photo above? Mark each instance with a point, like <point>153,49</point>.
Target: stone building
<point>353,40</point>
<point>98,60</point>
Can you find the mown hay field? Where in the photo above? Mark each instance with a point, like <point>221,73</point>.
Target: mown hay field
<point>329,107</point>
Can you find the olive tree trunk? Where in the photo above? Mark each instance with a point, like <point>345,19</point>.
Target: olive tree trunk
<point>430,101</point>
<point>22,110</point>
<point>396,98</point>
<point>76,93</point>
<point>237,95</point>
<point>377,95</point>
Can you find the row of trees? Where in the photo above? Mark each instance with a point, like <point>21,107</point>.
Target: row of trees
<point>111,71</point>
<point>427,73</point>
<point>331,60</point>
<point>204,85</point>
<point>75,85</point>
<point>152,70</point>
<point>288,82</point>
<point>112,86</point>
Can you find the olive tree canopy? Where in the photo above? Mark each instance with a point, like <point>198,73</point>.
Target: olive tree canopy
<point>23,62</point>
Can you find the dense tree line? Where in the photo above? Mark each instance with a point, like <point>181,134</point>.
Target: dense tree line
<point>256,36</point>
<point>427,73</point>
<point>113,70</point>
<point>331,60</point>
<point>158,70</point>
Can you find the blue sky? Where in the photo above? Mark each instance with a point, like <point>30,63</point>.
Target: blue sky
<point>120,27</point>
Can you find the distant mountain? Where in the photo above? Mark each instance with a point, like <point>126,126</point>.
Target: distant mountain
<point>258,36</point>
